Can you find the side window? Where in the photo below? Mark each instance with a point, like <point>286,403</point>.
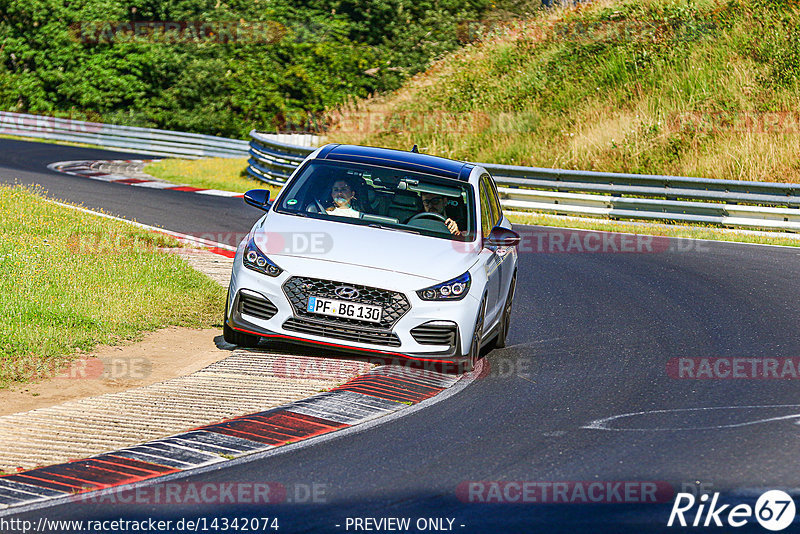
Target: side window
<point>487,221</point>
<point>489,195</point>
<point>495,198</point>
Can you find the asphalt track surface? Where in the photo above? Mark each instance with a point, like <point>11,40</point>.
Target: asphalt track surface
<point>591,337</point>
<point>26,163</point>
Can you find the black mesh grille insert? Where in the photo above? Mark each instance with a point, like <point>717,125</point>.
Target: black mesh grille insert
<point>355,333</point>
<point>298,289</point>
<point>433,334</point>
<point>256,306</point>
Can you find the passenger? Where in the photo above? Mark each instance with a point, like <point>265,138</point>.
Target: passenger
<point>433,203</point>
<point>343,195</point>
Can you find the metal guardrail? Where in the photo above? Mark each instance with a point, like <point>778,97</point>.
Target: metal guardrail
<point>734,203</point>
<point>142,140</point>
<point>272,161</point>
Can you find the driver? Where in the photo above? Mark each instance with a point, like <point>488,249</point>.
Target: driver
<point>433,203</point>
<point>343,194</point>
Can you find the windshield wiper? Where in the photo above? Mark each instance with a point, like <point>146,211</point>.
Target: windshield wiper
<point>291,212</point>
<point>382,227</point>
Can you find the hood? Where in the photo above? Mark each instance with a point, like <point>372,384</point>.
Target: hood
<point>292,237</point>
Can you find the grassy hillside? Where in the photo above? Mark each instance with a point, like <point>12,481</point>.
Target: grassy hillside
<point>700,88</point>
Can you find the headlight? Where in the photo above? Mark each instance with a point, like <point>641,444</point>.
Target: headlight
<point>254,259</point>
<point>455,289</point>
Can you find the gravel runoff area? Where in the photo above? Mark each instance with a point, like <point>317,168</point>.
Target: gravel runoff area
<point>245,382</point>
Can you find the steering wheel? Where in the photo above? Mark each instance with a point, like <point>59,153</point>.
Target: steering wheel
<point>428,215</point>
<point>319,206</point>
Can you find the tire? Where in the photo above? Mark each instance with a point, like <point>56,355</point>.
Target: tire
<point>477,335</point>
<point>234,337</point>
<point>505,323</point>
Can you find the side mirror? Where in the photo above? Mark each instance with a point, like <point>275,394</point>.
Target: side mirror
<point>502,237</point>
<point>258,198</point>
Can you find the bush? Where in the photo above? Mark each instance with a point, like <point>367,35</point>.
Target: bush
<point>57,59</point>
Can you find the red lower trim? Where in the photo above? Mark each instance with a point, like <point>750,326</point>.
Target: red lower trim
<point>348,347</point>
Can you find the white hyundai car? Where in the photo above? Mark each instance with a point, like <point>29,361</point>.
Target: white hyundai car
<point>378,251</point>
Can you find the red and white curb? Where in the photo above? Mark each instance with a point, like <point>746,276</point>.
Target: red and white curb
<point>380,392</point>
<point>88,169</point>
<point>222,249</point>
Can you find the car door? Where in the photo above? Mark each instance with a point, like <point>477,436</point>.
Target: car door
<point>491,260</point>
<point>508,257</point>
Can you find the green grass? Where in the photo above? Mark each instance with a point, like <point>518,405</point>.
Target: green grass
<point>693,231</point>
<point>72,281</point>
<point>640,86</point>
<point>227,174</point>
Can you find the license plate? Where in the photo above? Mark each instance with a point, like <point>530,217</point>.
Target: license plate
<point>340,308</point>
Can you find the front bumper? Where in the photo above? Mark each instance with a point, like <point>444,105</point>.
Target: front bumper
<point>276,318</point>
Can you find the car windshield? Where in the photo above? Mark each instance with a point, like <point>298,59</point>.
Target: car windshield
<point>382,196</point>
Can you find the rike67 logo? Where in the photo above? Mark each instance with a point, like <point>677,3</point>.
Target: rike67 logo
<point>774,510</point>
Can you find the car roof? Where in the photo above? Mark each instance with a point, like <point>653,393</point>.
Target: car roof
<point>398,159</point>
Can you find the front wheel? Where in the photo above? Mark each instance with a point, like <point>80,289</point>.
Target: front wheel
<point>234,337</point>
<point>477,337</point>
<point>505,321</point>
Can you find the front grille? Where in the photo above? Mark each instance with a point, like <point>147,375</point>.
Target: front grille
<point>298,289</point>
<point>256,306</point>
<point>435,334</point>
<point>356,333</point>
